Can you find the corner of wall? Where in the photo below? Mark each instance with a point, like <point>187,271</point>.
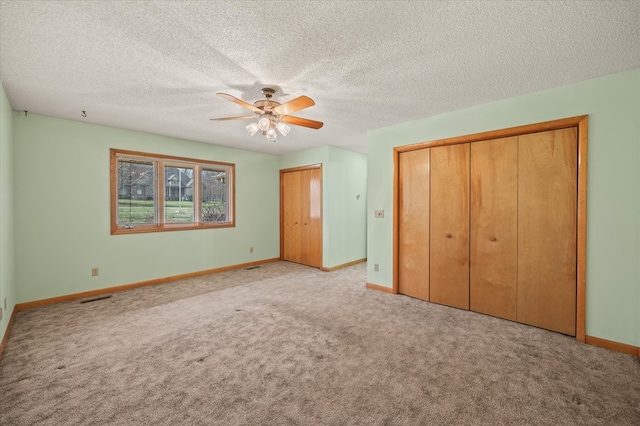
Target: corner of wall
<point>7,249</point>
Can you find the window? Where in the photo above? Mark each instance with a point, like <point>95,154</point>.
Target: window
<point>151,193</point>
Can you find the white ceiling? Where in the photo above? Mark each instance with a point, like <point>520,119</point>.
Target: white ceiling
<point>155,66</point>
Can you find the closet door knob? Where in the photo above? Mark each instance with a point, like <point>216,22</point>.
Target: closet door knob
<point>493,239</point>
<point>449,236</point>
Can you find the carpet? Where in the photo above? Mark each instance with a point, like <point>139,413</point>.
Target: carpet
<point>285,344</point>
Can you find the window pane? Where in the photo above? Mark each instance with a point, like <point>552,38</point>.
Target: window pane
<point>178,195</point>
<point>214,185</point>
<point>136,194</point>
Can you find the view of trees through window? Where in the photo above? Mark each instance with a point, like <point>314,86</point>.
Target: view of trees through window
<point>136,192</point>
<point>214,195</point>
<point>190,193</point>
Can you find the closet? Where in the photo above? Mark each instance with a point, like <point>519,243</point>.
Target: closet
<point>491,226</point>
<point>301,215</point>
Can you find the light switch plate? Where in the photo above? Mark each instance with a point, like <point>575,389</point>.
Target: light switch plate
<point>378,213</point>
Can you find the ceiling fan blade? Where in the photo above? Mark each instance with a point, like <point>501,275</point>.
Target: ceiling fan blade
<point>297,121</point>
<point>294,105</point>
<point>239,102</point>
<point>233,118</point>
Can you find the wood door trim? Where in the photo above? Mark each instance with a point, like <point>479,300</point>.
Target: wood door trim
<point>581,122</point>
<point>297,169</point>
<point>497,134</point>
<point>581,272</point>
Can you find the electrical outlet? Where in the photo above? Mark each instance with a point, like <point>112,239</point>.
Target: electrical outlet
<point>376,267</point>
<point>95,272</point>
<point>250,249</point>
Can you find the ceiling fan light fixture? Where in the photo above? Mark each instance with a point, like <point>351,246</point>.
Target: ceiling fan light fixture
<point>272,115</point>
<point>264,124</point>
<point>252,128</point>
<point>283,128</point>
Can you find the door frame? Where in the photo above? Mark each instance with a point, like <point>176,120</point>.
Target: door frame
<point>298,169</point>
<point>581,123</point>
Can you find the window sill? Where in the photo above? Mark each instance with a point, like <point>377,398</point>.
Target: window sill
<point>166,227</point>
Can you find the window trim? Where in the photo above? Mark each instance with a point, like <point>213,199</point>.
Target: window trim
<point>160,161</point>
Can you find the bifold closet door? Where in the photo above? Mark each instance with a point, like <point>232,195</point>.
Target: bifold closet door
<point>449,230</point>
<point>413,223</point>
<point>547,197</point>
<point>290,187</point>
<point>301,211</point>
<point>311,209</point>
<point>494,227</point>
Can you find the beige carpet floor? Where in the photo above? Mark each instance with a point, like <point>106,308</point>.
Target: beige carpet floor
<point>285,344</point>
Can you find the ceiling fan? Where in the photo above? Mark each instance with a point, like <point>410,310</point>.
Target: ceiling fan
<point>273,115</point>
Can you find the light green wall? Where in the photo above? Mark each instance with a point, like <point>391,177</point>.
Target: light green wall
<point>346,206</point>
<point>613,212</point>
<point>7,265</point>
<point>62,221</point>
<point>344,220</point>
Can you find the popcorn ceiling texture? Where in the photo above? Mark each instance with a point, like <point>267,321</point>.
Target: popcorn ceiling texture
<point>155,66</point>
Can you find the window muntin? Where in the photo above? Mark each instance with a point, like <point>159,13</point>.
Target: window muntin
<point>151,193</point>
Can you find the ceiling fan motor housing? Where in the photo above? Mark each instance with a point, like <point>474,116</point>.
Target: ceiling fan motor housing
<point>266,105</point>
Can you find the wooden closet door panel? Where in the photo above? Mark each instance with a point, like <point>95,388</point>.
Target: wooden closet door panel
<point>291,216</point>
<point>311,207</point>
<point>494,227</point>
<point>449,230</point>
<point>305,201</point>
<point>547,194</point>
<point>413,223</point>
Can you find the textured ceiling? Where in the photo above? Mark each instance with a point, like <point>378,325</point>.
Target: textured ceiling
<point>155,66</point>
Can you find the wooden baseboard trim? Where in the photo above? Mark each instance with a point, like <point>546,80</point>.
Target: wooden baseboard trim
<point>344,265</point>
<point>389,290</point>
<point>614,346</point>
<point>7,332</point>
<point>102,291</point>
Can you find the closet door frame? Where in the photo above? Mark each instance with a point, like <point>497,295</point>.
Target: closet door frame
<point>579,122</point>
